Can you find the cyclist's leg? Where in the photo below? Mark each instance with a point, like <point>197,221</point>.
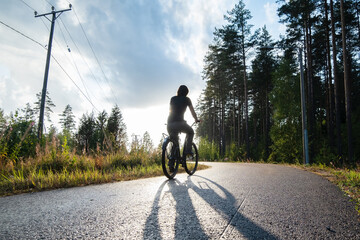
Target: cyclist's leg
<point>174,135</point>
<point>187,129</point>
<point>176,127</point>
<point>189,139</point>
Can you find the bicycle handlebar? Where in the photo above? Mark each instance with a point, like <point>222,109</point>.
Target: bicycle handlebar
<point>195,122</point>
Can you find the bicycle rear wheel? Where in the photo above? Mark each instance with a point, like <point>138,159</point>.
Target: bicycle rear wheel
<point>169,163</point>
<point>191,162</point>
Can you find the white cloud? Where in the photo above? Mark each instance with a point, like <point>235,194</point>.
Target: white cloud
<point>270,11</point>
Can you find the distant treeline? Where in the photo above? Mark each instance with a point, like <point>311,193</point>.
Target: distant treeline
<point>101,134</point>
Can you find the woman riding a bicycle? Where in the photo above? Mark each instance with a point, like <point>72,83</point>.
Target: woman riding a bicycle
<point>176,123</point>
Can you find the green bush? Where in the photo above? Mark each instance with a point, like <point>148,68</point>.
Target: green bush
<point>208,151</point>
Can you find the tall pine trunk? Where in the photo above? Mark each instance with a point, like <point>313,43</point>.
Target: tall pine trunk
<point>329,114</point>
<point>336,83</point>
<point>347,85</point>
<point>311,105</point>
<point>246,111</point>
<point>245,100</point>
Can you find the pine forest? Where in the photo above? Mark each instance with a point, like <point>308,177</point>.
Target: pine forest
<point>252,104</point>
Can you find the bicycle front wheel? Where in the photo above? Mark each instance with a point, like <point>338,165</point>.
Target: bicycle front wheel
<point>191,162</point>
<point>169,163</point>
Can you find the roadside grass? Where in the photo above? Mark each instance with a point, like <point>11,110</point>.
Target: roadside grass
<point>348,180</point>
<point>55,168</point>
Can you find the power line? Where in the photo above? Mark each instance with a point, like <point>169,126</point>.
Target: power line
<point>22,34</point>
<point>78,49</point>
<point>28,5</point>
<point>77,69</point>
<point>62,68</point>
<point>92,49</point>
<point>102,70</point>
<point>49,3</point>
<point>87,97</point>
<point>68,58</point>
<point>74,83</point>
<point>17,31</point>
<point>74,62</point>
<point>82,55</point>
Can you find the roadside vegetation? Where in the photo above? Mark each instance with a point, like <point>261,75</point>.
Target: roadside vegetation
<point>97,151</point>
<point>56,167</point>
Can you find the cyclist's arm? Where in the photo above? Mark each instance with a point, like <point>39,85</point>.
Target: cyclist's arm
<point>193,113</point>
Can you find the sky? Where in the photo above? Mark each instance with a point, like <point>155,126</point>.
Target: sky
<point>133,53</point>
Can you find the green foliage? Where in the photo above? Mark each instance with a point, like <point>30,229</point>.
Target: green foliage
<point>208,151</point>
<point>49,104</point>
<point>286,132</point>
<point>116,128</point>
<point>67,119</point>
<point>287,144</point>
<point>236,153</point>
<point>17,140</point>
<point>356,133</point>
<point>86,135</point>
<point>326,156</point>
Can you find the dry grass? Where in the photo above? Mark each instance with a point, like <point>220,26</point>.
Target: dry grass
<point>53,168</point>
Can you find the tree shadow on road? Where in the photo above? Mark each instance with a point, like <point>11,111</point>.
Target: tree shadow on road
<point>187,223</point>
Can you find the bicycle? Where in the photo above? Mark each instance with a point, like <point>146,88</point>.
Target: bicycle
<point>171,157</point>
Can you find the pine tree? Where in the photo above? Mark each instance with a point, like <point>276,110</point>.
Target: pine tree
<point>48,105</point>
<point>238,17</point>
<point>101,130</point>
<point>116,127</point>
<point>261,84</point>
<point>86,133</point>
<point>67,119</point>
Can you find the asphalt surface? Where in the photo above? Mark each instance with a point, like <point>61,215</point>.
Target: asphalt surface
<point>227,201</point>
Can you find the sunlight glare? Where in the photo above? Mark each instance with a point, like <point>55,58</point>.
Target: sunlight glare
<point>152,120</point>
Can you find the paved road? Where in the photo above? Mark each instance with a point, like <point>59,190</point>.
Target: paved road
<point>227,201</point>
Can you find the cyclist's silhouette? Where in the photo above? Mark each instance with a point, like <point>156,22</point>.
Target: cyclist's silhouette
<point>176,122</point>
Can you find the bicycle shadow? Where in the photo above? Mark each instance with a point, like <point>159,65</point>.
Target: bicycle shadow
<point>187,223</point>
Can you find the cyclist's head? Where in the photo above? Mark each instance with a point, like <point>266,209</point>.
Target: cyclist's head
<point>182,91</point>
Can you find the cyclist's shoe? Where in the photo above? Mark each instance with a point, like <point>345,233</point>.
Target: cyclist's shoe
<point>171,164</point>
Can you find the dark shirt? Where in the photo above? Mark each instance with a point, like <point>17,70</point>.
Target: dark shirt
<point>178,105</point>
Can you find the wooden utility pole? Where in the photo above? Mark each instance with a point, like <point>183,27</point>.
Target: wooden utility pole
<point>55,15</point>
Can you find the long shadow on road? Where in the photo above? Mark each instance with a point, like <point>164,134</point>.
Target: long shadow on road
<point>173,214</point>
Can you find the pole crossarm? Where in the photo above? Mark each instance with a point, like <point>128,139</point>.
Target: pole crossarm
<point>52,12</point>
